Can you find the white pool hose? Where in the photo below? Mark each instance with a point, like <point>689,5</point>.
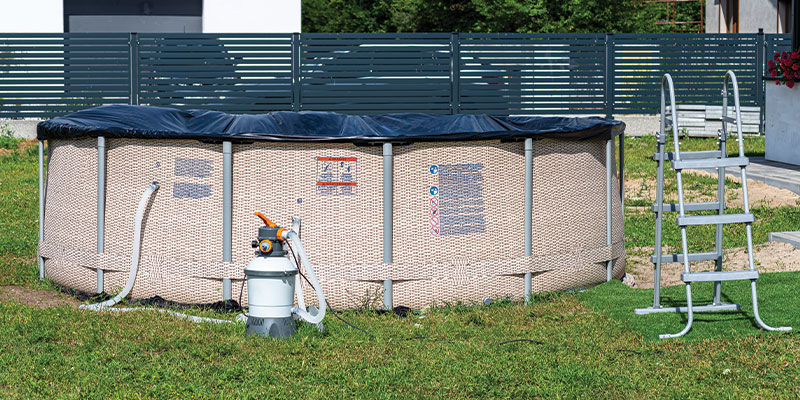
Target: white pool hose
<point>301,310</point>
<point>192,318</point>
<point>137,246</point>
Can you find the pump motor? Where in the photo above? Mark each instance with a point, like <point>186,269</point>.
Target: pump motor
<point>273,280</point>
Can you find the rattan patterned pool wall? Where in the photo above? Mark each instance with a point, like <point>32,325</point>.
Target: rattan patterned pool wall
<point>457,218</point>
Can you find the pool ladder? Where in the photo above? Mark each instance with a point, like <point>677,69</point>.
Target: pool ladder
<point>713,159</point>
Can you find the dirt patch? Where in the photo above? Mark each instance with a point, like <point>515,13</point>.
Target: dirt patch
<point>760,194</point>
<point>768,257</point>
<point>21,147</point>
<point>41,298</point>
<point>638,189</point>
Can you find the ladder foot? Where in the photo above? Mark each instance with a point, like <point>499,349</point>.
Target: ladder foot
<point>703,308</point>
<point>689,317</point>
<point>771,328</point>
<point>685,330</point>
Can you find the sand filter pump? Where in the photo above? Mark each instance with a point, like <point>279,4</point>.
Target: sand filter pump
<point>273,280</point>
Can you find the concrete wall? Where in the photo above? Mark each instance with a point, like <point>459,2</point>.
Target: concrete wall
<point>251,16</point>
<point>26,16</point>
<point>781,120</point>
<point>22,128</point>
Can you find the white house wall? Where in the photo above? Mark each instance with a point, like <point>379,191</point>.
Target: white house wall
<point>251,16</point>
<point>25,16</point>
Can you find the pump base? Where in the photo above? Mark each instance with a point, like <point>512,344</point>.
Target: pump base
<point>273,327</point>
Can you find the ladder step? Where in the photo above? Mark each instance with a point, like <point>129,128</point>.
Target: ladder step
<point>715,219</point>
<point>710,163</point>
<point>691,155</point>
<point>717,276</point>
<point>729,119</point>
<point>672,258</point>
<point>673,207</point>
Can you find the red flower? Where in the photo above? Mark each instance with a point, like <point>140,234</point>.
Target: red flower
<point>783,54</point>
<point>796,55</point>
<point>773,73</point>
<point>790,84</point>
<point>795,67</point>
<point>771,64</point>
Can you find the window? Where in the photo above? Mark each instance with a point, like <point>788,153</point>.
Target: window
<point>729,13</point>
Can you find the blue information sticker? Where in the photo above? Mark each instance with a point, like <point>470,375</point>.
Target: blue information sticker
<point>434,190</point>
<point>434,169</point>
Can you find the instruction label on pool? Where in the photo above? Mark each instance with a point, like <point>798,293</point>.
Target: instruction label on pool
<point>337,176</point>
<point>456,199</point>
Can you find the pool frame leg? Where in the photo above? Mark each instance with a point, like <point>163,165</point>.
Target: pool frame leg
<point>39,259</point>
<point>227,213</point>
<point>101,206</point>
<point>388,166</point>
<point>609,175</point>
<point>528,278</point>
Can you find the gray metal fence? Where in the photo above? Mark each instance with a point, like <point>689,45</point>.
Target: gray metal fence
<point>45,75</point>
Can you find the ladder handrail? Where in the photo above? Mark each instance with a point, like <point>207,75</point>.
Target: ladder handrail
<point>668,85</point>
<point>666,82</point>
<point>730,76</point>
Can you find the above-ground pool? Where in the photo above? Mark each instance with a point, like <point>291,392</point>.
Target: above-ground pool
<point>418,208</point>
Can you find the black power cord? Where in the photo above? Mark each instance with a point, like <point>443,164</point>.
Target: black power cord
<point>297,264</point>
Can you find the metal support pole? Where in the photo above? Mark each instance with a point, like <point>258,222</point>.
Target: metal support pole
<point>721,199</point>
<point>609,169</point>
<point>455,73</point>
<point>387,220</point>
<point>296,89</point>
<point>227,212</point>
<point>622,176</point>
<point>41,206</point>
<point>133,56</point>
<point>101,205</point>
<point>528,214</point>
<point>609,100</point>
<point>609,78</point>
<point>759,72</point>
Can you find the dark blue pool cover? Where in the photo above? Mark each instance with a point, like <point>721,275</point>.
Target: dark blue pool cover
<point>123,121</point>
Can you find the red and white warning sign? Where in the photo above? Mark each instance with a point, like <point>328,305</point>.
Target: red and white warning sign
<point>434,202</point>
<point>435,230</point>
<point>337,175</point>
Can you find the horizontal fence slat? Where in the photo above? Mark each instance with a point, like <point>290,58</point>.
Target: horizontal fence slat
<point>50,74</point>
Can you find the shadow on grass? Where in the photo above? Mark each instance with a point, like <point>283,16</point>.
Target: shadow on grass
<point>778,301</point>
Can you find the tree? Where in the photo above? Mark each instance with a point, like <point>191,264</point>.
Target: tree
<point>531,16</point>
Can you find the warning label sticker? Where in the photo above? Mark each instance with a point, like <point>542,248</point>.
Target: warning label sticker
<point>337,176</point>
<point>456,201</point>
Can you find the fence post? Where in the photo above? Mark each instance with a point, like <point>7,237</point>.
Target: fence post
<point>455,76</point>
<point>133,56</point>
<point>296,92</point>
<point>760,57</point>
<point>609,78</point>
<point>609,95</point>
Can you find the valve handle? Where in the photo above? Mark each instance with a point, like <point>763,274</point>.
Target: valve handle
<point>266,220</point>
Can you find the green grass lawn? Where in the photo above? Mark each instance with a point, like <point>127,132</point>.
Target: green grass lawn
<point>587,344</point>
